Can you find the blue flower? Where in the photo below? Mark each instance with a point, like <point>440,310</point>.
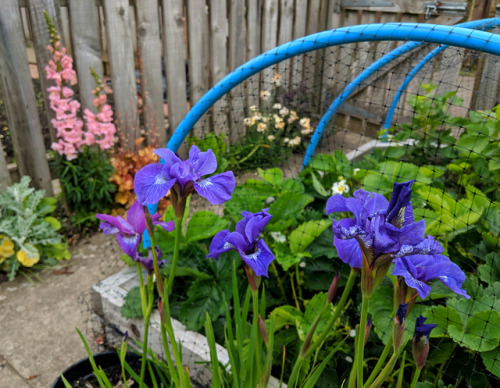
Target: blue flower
<point>417,270</point>
<point>420,348</point>
<point>148,262</point>
<point>246,240</point>
<point>153,181</point>
<point>129,231</point>
<point>379,228</point>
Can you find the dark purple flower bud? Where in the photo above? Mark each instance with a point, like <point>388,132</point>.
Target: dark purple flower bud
<point>420,348</point>
<point>398,327</point>
<point>333,288</point>
<point>153,181</point>
<point>368,328</point>
<point>246,241</point>
<point>263,330</point>
<point>125,336</point>
<point>148,262</point>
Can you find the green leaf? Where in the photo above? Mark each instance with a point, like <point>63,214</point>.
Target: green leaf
<point>491,361</point>
<point>286,209</point>
<point>273,175</point>
<point>490,271</point>
<point>54,222</point>
<point>47,205</point>
<point>318,186</point>
<point>443,317</point>
<point>305,234</point>
<point>244,197</point>
<point>285,258</point>
<point>472,143</point>
<point>132,307</point>
<point>323,162</point>
<point>204,224</point>
<point>481,333</point>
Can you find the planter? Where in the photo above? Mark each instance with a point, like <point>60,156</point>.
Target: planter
<point>109,296</point>
<point>81,373</point>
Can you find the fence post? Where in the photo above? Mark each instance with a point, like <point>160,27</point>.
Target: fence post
<point>17,89</point>
<point>149,51</point>
<point>5,180</point>
<point>175,60</point>
<point>84,20</point>
<point>121,59</point>
<point>41,40</point>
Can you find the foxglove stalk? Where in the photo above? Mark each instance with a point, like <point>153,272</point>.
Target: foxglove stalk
<point>246,241</point>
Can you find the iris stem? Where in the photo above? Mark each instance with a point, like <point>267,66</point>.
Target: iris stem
<point>255,327</point>
<point>280,284</point>
<point>360,345</point>
<point>178,236</point>
<point>416,376</point>
<point>388,368</point>
<point>294,293</point>
<point>380,362</point>
<point>297,277</point>
<point>401,372</point>
<point>147,316</point>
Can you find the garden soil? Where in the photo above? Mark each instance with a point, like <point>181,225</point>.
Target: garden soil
<point>38,339</point>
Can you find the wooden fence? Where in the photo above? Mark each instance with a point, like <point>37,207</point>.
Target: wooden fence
<point>129,37</point>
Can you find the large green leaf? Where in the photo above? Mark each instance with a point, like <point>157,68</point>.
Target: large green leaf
<point>481,333</point>
<point>442,316</point>
<point>244,198</point>
<point>274,176</point>
<point>286,208</point>
<point>491,361</point>
<point>323,162</point>
<point>204,224</point>
<point>306,233</point>
<point>490,271</point>
<point>132,307</point>
<point>285,258</point>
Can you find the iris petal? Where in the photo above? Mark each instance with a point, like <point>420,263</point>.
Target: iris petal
<point>336,203</point>
<point>129,243</point>
<point>151,183</point>
<point>169,157</point>
<point>117,222</point>
<point>217,189</point>
<point>219,244</point>
<point>203,163</point>
<point>135,217</point>
<point>349,251</point>
<point>405,268</point>
<point>258,260</point>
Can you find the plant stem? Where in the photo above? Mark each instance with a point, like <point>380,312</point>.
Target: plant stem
<point>147,316</point>
<point>294,293</point>
<point>178,235</point>
<point>338,309</point>
<point>380,362</point>
<point>416,375</point>
<point>255,328</point>
<point>401,371</point>
<point>360,348</point>
<point>297,277</point>
<point>280,284</point>
<point>388,368</point>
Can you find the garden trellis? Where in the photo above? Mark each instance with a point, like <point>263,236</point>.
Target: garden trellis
<point>324,108</point>
<point>450,150</point>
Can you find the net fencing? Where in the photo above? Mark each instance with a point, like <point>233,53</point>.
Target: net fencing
<point>443,134</point>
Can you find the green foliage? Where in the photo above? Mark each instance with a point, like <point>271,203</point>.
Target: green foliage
<point>28,230</point>
<point>85,183</point>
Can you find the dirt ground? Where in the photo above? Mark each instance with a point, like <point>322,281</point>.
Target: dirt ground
<point>38,339</point>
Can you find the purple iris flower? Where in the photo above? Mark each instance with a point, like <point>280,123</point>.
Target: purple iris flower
<point>379,227</point>
<point>420,346</point>
<point>148,262</point>
<point>422,330</point>
<point>153,181</point>
<point>246,240</point>
<point>417,270</point>
<point>129,231</point>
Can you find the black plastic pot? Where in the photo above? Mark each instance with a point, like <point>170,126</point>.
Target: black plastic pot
<point>82,370</point>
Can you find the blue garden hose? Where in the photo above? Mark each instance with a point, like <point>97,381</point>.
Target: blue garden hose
<point>377,65</point>
<point>431,33</point>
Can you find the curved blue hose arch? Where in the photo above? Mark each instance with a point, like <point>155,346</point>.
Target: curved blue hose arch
<point>431,33</point>
<point>377,65</point>
<point>486,25</point>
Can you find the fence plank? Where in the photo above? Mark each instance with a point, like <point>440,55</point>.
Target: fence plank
<point>41,40</point>
<point>20,105</point>
<point>218,50</point>
<point>175,61</point>
<point>149,52</point>
<point>299,31</point>
<point>84,20</point>
<point>269,35</point>
<point>285,35</point>
<point>253,24</point>
<point>121,59</point>
<point>237,44</point>
<point>197,25</point>
<point>5,180</point>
